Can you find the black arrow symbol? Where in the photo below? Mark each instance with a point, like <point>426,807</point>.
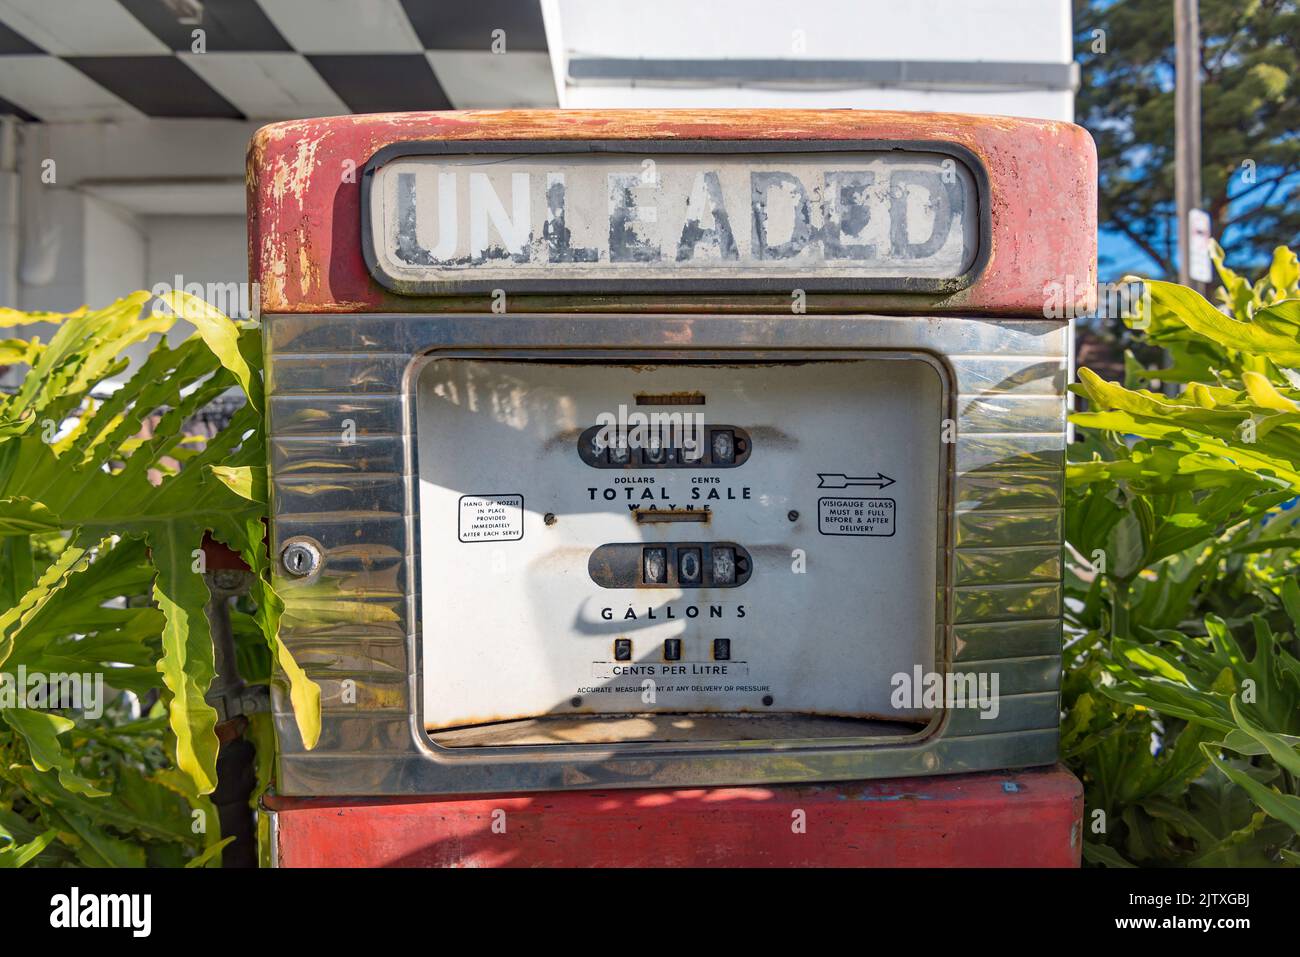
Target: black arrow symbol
<point>840,480</point>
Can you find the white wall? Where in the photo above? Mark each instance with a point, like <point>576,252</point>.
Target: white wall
<point>209,250</point>
<point>114,252</point>
<point>1019,30</point>
<point>94,233</point>
<point>948,31</point>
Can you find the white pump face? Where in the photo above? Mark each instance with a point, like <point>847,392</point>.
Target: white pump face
<point>675,537</point>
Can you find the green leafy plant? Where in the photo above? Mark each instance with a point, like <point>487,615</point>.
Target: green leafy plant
<point>105,502</point>
<point>1182,691</point>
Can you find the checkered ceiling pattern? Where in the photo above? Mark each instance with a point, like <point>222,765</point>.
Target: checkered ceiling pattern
<point>71,60</point>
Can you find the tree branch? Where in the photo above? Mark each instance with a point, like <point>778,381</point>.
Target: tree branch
<point>1254,210</point>
<point>1260,184</point>
<point>1143,244</point>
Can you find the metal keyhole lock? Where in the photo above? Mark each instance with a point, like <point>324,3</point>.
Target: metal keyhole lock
<point>300,557</point>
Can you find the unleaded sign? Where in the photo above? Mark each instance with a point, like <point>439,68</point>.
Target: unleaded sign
<point>906,219</point>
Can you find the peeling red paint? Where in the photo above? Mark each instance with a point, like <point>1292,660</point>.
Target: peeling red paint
<point>305,213</point>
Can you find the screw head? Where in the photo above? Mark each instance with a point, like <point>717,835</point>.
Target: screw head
<point>792,515</point>
<point>300,557</point>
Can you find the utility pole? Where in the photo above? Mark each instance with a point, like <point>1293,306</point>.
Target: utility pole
<point>1187,129</point>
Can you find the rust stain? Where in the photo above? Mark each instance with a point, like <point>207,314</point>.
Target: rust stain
<point>769,436</point>
<point>273,269</point>
<point>562,441</point>
<point>565,558</point>
<point>660,516</point>
<point>293,174</point>
<point>308,265</point>
<point>670,398</point>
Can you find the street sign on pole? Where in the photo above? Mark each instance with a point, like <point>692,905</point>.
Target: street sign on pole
<point>1199,267</point>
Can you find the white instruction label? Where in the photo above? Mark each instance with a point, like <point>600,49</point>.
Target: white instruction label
<point>856,516</point>
<point>491,518</point>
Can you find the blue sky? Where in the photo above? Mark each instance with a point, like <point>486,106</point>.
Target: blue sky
<point>1117,255</point>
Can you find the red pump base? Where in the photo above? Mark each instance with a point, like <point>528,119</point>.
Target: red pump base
<point>1029,818</point>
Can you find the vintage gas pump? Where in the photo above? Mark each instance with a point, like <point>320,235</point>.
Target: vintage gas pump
<point>645,484</point>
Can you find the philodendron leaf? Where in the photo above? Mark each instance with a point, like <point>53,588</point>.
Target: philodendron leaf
<point>1291,600</point>
<point>1201,317</point>
<point>1265,395</point>
<point>1284,272</point>
<point>25,853</point>
<point>246,481</point>
<point>1126,545</point>
<point>211,854</point>
<point>303,692</point>
<point>1277,746</point>
<point>1283,807</point>
<point>1243,743</point>
<point>22,516</point>
<point>16,317</point>
<point>86,349</point>
<point>1236,292</point>
<point>187,664</point>
<point>221,335</point>
<point>12,620</point>
<point>1104,855</point>
<point>97,847</point>
<point>41,731</point>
